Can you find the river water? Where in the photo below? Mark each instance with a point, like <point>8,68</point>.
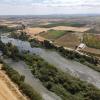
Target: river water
<point>22,68</point>
<point>76,69</point>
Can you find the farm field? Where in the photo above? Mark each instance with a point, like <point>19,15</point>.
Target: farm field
<point>53,34</point>
<point>62,38</point>
<point>68,40</point>
<point>37,30</point>
<point>42,33</point>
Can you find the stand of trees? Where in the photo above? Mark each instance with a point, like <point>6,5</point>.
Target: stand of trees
<point>9,50</point>
<point>35,43</point>
<point>62,84</point>
<point>6,29</point>
<point>22,36</point>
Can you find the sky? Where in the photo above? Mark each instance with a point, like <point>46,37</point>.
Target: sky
<point>45,7</point>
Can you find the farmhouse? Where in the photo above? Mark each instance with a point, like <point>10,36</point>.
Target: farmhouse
<point>81,46</point>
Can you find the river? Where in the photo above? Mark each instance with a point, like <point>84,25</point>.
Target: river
<point>22,68</point>
<point>76,69</point>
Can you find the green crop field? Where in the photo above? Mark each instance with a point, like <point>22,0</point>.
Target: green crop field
<point>53,34</point>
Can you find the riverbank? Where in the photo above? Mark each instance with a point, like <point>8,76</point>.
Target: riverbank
<point>8,90</point>
<point>30,79</point>
<point>19,81</point>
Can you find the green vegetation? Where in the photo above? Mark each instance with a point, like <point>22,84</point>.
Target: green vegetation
<point>22,36</point>
<point>63,84</point>
<point>48,45</point>
<point>35,43</point>
<point>6,29</point>
<point>54,34</point>
<point>19,80</point>
<point>73,24</point>
<point>91,41</point>
<point>9,50</point>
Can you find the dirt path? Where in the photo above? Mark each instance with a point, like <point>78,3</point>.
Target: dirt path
<point>8,90</point>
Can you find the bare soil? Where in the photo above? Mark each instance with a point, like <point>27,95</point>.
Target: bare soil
<point>68,40</point>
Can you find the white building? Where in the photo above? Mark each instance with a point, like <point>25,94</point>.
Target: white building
<point>81,46</point>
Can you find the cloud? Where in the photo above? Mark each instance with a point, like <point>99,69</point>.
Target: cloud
<point>68,3</point>
<point>91,2</point>
<point>49,6</point>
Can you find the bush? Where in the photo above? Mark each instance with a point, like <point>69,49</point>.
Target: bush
<point>22,36</point>
<point>9,50</point>
<point>29,91</point>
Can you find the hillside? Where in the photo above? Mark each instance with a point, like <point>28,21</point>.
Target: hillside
<point>9,91</point>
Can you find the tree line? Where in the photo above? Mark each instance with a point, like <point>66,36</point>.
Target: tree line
<point>21,35</point>
<point>6,29</point>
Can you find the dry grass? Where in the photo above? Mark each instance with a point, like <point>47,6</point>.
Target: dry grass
<point>68,40</point>
<point>33,31</point>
